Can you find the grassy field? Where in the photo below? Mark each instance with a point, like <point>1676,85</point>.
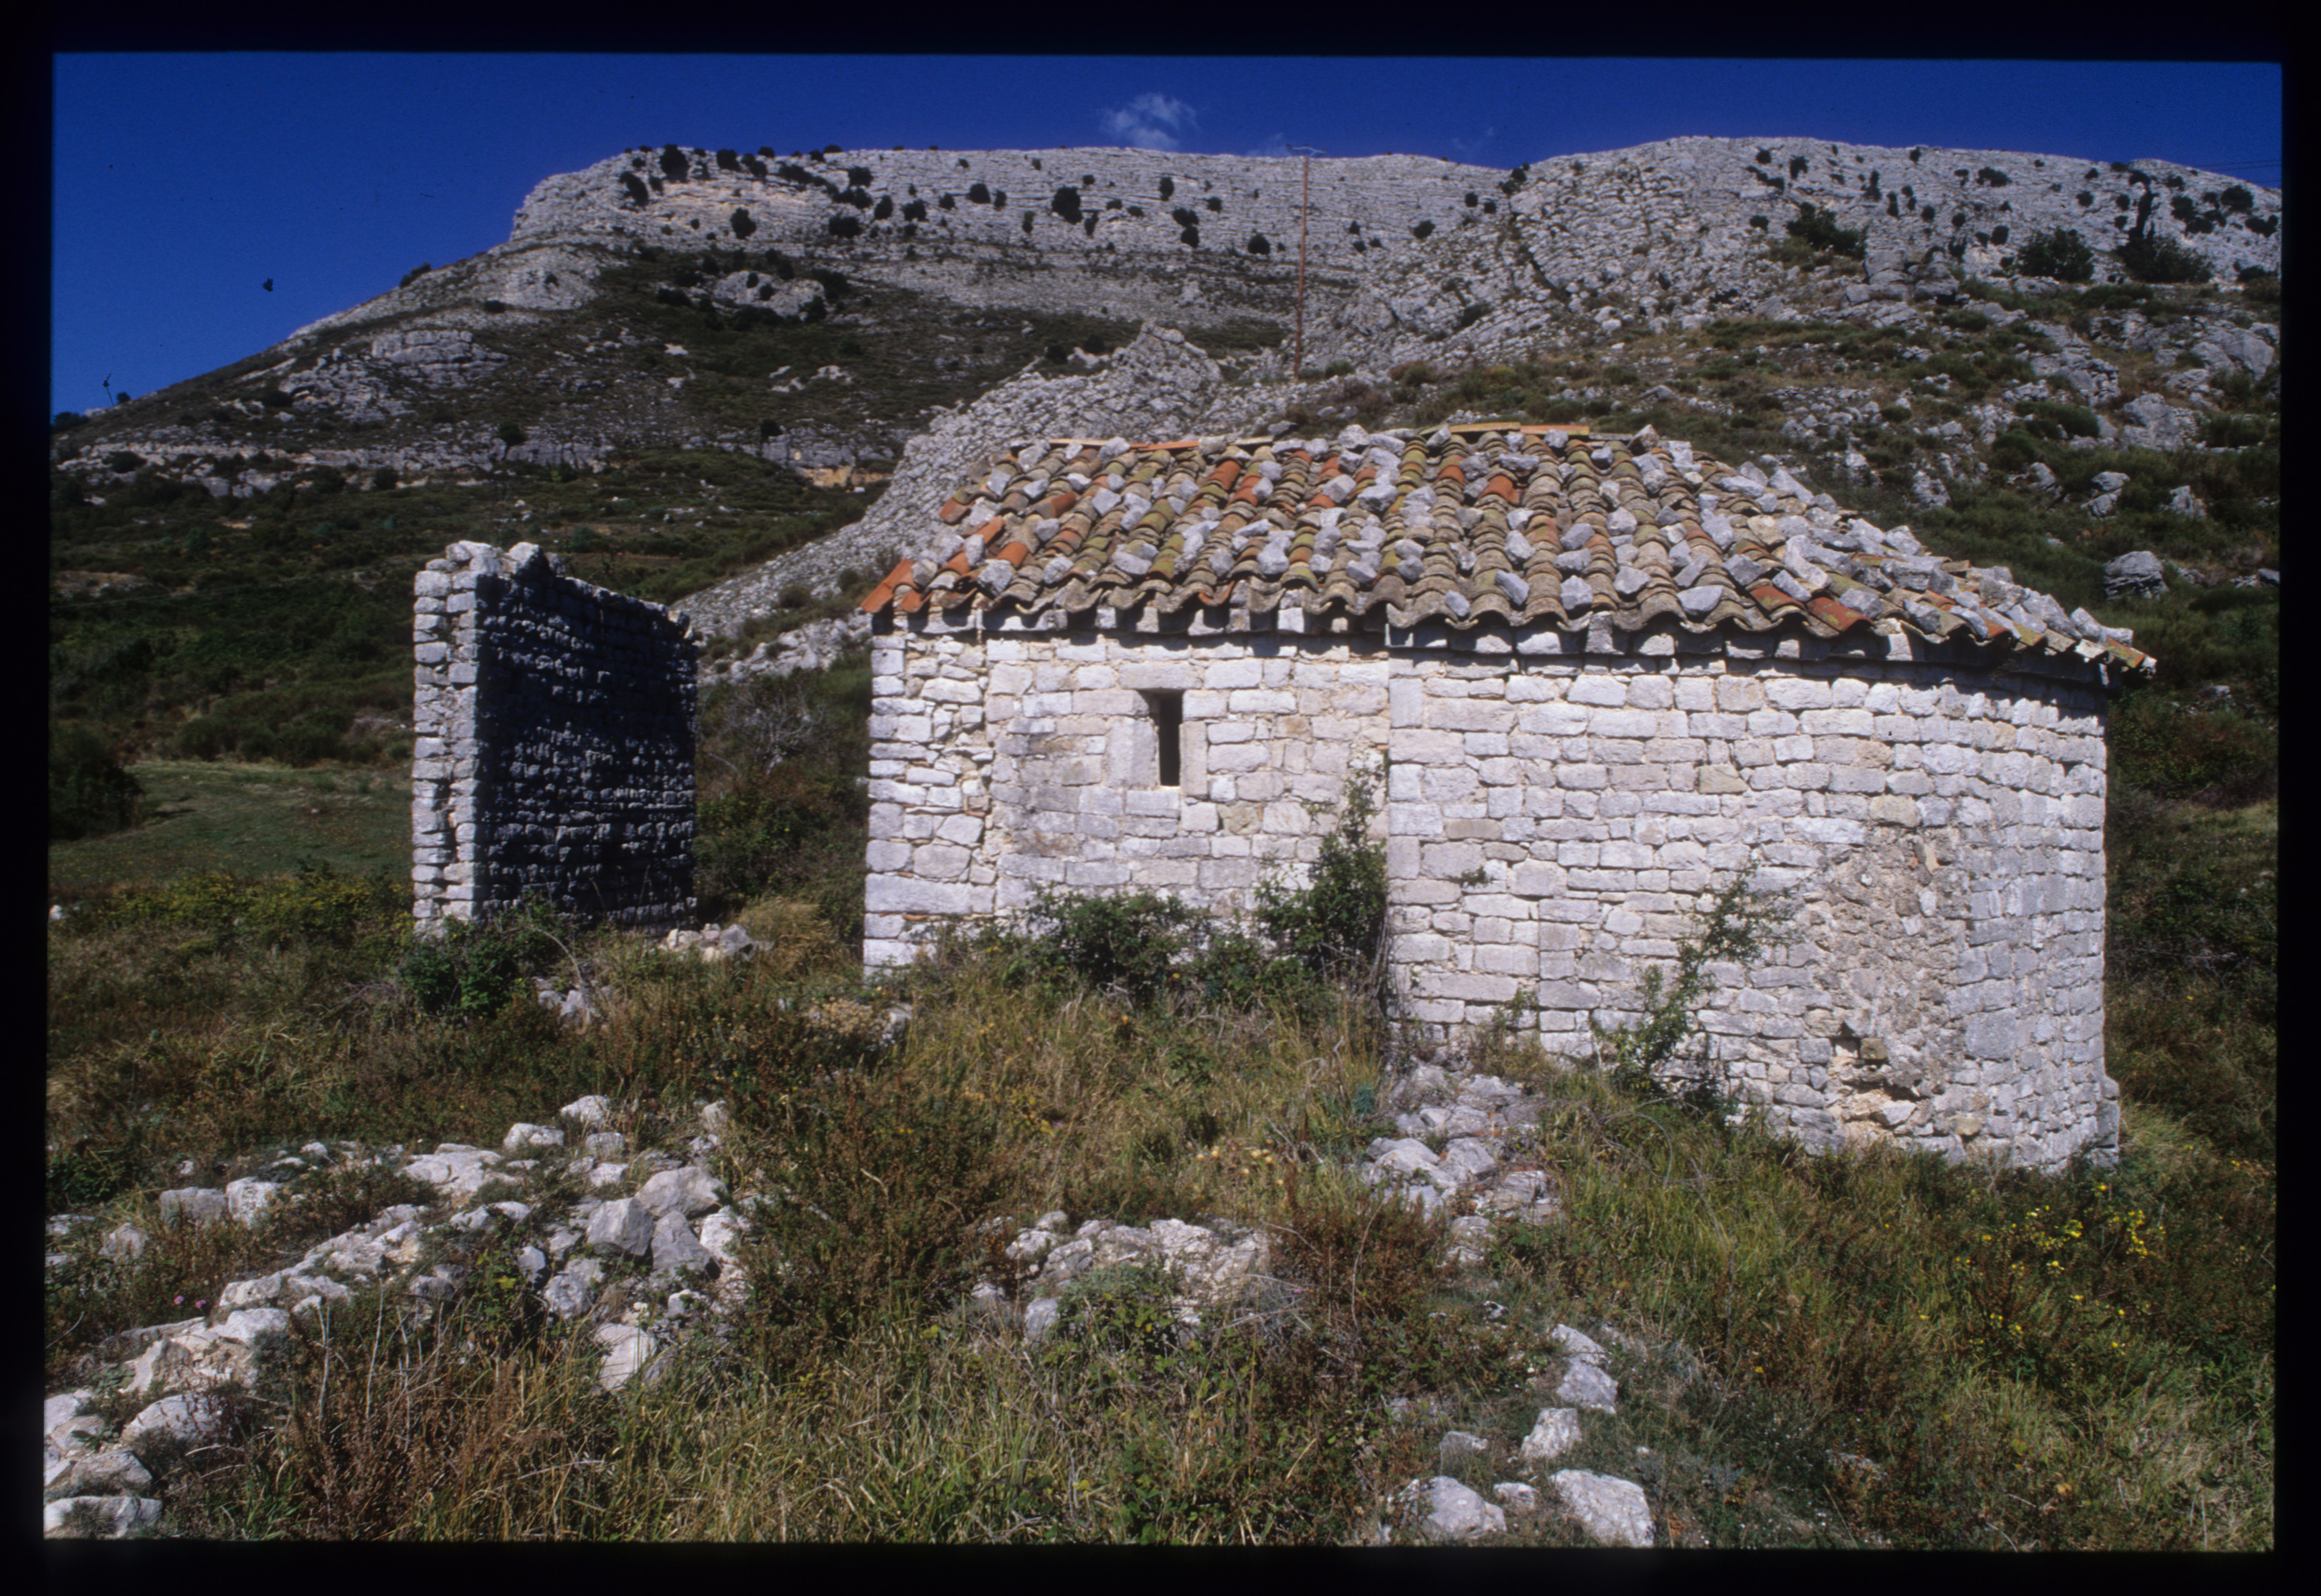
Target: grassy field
<point>1860,1351</point>
<point>254,819</point>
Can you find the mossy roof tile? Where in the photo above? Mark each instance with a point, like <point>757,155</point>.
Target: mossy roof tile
<point>1421,528</point>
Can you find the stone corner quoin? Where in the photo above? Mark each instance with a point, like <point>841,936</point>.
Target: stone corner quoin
<point>554,754</point>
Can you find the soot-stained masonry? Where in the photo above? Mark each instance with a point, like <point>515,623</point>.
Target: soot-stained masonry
<point>555,750</point>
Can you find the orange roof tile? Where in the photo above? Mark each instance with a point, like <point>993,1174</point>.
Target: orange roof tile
<point>1481,523</point>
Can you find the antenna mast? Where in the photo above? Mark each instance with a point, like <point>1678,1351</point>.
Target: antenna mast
<point>1305,200</point>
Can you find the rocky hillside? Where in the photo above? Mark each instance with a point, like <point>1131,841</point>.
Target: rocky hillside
<point>1872,314</point>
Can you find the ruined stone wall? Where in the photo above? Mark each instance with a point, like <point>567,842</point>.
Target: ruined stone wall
<point>1555,819</point>
<point>555,749</point>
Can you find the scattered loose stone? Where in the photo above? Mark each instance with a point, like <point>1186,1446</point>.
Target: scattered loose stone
<point>623,1226</point>
<point>687,1192</point>
<point>675,1246</point>
<point>589,1113</point>
<point>1572,1343</point>
<point>1453,1512</point>
<point>116,1472</point>
<point>2137,575</point>
<point>111,1517</point>
<point>627,1352</point>
<point>173,1423</point>
<point>1586,1385</point>
<point>1556,1433</point>
<point>1612,1511</point>
<point>525,1138</point>
<point>198,1204</point>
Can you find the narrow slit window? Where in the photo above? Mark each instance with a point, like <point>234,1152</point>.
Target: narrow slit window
<point>1168,712</point>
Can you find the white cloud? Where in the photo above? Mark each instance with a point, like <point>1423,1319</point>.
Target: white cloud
<point>1150,121</point>
<point>1278,144</point>
<point>1465,148</point>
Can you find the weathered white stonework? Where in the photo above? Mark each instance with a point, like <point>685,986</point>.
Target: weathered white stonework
<point>554,749</point>
<point>1558,804</point>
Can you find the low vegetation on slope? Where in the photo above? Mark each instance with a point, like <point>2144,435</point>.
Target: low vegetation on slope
<point>1838,1351</point>
<point>278,628</point>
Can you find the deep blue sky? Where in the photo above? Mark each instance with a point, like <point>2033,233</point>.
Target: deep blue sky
<point>184,182</point>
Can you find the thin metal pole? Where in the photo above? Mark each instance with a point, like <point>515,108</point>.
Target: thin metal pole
<point>1305,203</point>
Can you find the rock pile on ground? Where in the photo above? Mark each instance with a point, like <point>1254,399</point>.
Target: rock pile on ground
<point>1464,1135</point>
<point>643,1246</point>
<point>646,1253</point>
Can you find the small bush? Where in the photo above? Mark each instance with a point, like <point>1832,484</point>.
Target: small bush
<point>1735,927</point>
<point>2061,254</point>
<point>1127,943</point>
<point>89,793</point>
<point>1817,227</point>
<point>1336,925</point>
<point>2151,260</point>
<point>472,970</point>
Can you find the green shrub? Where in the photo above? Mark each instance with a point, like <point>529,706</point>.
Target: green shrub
<point>2061,254</point>
<point>2151,260</point>
<point>1737,926</point>
<point>1817,227</point>
<point>472,970</point>
<point>2014,449</point>
<point>1128,944</point>
<point>89,793</point>
<point>2049,418</point>
<point>2229,430</point>
<point>1335,924</point>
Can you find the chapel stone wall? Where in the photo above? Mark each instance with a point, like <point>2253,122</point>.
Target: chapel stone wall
<point>1558,811</point>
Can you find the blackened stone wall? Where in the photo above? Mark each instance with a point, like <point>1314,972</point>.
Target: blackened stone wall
<point>555,750</point>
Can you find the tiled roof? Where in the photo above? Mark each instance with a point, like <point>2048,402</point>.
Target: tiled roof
<point>1468,526</point>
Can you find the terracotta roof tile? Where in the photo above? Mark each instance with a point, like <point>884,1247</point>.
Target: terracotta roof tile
<point>1491,523</point>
